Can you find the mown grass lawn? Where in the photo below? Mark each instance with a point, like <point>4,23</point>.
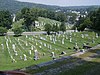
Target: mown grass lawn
<point>21,48</point>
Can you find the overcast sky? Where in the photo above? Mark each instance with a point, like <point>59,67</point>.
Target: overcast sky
<point>65,2</point>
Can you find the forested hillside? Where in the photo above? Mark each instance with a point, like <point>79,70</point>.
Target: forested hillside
<point>14,6</point>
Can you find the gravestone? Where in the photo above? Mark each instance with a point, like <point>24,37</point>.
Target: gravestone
<point>32,47</point>
<point>14,48</point>
<point>26,36</point>
<point>53,55</point>
<point>82,50</point>
<point>30,52</point>
<point>70,39</point>
<point>40,47</point>
<point>97,35</point>
<point>25,57</point>
<point>16,53</point>
<point>55,38</point>
<point>13,60</point>
<point>44,44</point>
<point>36,43</point>
<point>76,30</point>
<point>93,40</point>
<point>66,37</point>
<point>63,41</point>
<point>36,55</point>
<point>50,47</point>
<point>63,52</point>
<point>26,43</point>
<point>82,35</point>
<point>21,57</point>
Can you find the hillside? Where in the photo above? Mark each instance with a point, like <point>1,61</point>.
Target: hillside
<point>14,6</point>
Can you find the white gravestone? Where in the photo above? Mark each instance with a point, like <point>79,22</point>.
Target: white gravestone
<point>30,52</point>
<point>70,39</point>
<point>63,41</point>
<point>16,53</point>
<point>26,43</point>
<point>25,57</point>
<point>32,47</point>
<point>53,55</point>
<point>82,35</point>
<point>97,35</point>
<point>14,48</point>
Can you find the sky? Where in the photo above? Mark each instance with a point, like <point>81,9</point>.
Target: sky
<point>65,2</point>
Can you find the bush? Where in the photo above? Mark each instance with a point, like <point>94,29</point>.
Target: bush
<point>18,31</point>
<point>3,31</point>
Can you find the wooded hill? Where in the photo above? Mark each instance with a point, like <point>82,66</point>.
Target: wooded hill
<point>14,6</point>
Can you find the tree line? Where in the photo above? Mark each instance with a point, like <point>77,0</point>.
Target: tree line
<point>92,21</point>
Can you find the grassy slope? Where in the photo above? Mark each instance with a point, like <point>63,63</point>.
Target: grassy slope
<point>40,20</point>
<point>6,63</point>
<point>50,21</point>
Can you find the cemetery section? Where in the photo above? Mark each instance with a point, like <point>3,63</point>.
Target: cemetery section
<point>23,51</point>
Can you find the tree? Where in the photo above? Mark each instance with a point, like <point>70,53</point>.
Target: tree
<point>80,21</point>
<point>86,24</point>
<point>48,28</point>
<point>55,28</point>
<point>29,17</point>
<point>71,17</point>
<point>18,16</point>
<point>3,31</point>
<point>5,19</point>
<point>18,31</point>
<point>62,27</point>
<point>60,17</point>
<point>95,18</point>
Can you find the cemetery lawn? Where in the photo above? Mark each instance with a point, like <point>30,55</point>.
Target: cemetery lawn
<point>43,45</point>
<point>42,21</point>
<point>85,67</point>
<point>50,21</point>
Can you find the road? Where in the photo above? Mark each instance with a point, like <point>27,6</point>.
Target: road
<point>28,33</point>
<point>34,33</point>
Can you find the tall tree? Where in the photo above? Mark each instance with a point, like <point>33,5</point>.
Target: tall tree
<point>95,18</point>
<point>29,18</point>
<point>5,19</point>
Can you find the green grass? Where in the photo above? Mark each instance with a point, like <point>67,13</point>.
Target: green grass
<point>6,61</point>
<point>88,68</point>
<point>52,22</point>
<point>52,66</point>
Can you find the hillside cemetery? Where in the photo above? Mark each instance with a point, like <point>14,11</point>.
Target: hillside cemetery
<point>23,51</point>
